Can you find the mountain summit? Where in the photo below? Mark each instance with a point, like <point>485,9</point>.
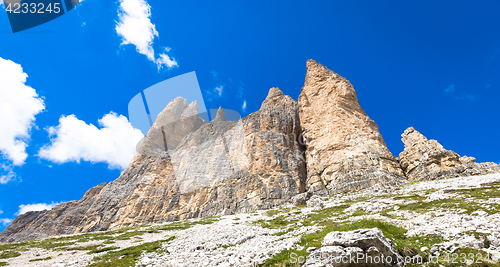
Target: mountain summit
<point>286,151</point>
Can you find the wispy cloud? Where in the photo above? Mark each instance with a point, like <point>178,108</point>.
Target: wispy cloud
<point>459,95</point>
<point>7,174</point>
<point>35,207</point>
<point>74,140</point>
<point>5,222</point>
<point>135,27</point>
<point>244,106</point>
<point>217,91</point>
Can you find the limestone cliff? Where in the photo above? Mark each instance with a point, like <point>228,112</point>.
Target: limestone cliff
<point>424,159</point>
<point>345,150</point>
<point>189,168</point>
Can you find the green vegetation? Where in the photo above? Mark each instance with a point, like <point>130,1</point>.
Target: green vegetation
<point>278,222</point>
<point>99,250</point>
<point>458,202</point>
<point>320,215</point>
<point>404,245</point>
<point>9,254</point>
<point>291,229</point>
<point>41,259</point>
<point>128,256</point>
<point>3,263</point>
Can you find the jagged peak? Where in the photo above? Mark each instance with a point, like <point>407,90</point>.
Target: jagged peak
<point>274,92</point>
<point>319,72</point>
<point>275,97</point>
<point>191,110</point>
<point>411,137</point>
<point>220,115</point>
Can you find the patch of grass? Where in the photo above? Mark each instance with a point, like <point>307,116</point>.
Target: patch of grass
<point>99,250</point>
<point>127,256</point>
<point>181,225</point>
<point>320,215</point>
<point>12,246</point>
<point>359,212</point>
<point>479,236</point>
<point>287,257</point>
<point>450,203</point>
<point>490,191</point>
<point>271,213</point>
<point>278,222</point>
<point>41,259</point>
<point>284,232</point>
<point>9,254</point>
<point>410,197</point>
<point>3,263</point>
<point>236,219</point>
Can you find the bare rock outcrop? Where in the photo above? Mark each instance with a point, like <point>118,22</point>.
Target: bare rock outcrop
<point>363,247</point>
<point>188,168</point>
<point>424,159</point>
<point>345,150</point>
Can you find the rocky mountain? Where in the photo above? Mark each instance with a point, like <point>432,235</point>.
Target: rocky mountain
<point>424,159</point>
<point>345,150</point>
<point>324,144</point>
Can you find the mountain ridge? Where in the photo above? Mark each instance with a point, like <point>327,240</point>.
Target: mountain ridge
<point>322,144</point>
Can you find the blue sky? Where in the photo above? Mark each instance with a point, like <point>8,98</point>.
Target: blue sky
<point>433,66</point>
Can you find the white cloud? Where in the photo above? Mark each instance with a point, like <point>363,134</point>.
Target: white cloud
<point>165,60</point>
<point>19,104</point>
<point>7,174</point>
<point>74,140</point>
<point>34,207</point>
<point>135,27</point>
<point>244,105</point>
<point>5,222</point>
<point>219,89</point>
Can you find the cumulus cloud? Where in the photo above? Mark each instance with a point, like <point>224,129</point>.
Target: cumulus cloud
<point>135,27</point>
<point>74,140</point>
<point>19,104</point>
<point>34,207</point>
<point>5,222</point>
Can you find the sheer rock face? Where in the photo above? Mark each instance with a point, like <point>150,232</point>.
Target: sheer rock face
<point>345,150</point>
<point>424,159</point>
<point>206,169</point>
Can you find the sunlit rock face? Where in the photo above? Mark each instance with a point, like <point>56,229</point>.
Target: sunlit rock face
<point>188,168</point>
<point>286,152</point>
<point>345,150</point>
<point>424,159</point>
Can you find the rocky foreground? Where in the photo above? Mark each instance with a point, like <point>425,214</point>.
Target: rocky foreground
<point>427,223</point>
